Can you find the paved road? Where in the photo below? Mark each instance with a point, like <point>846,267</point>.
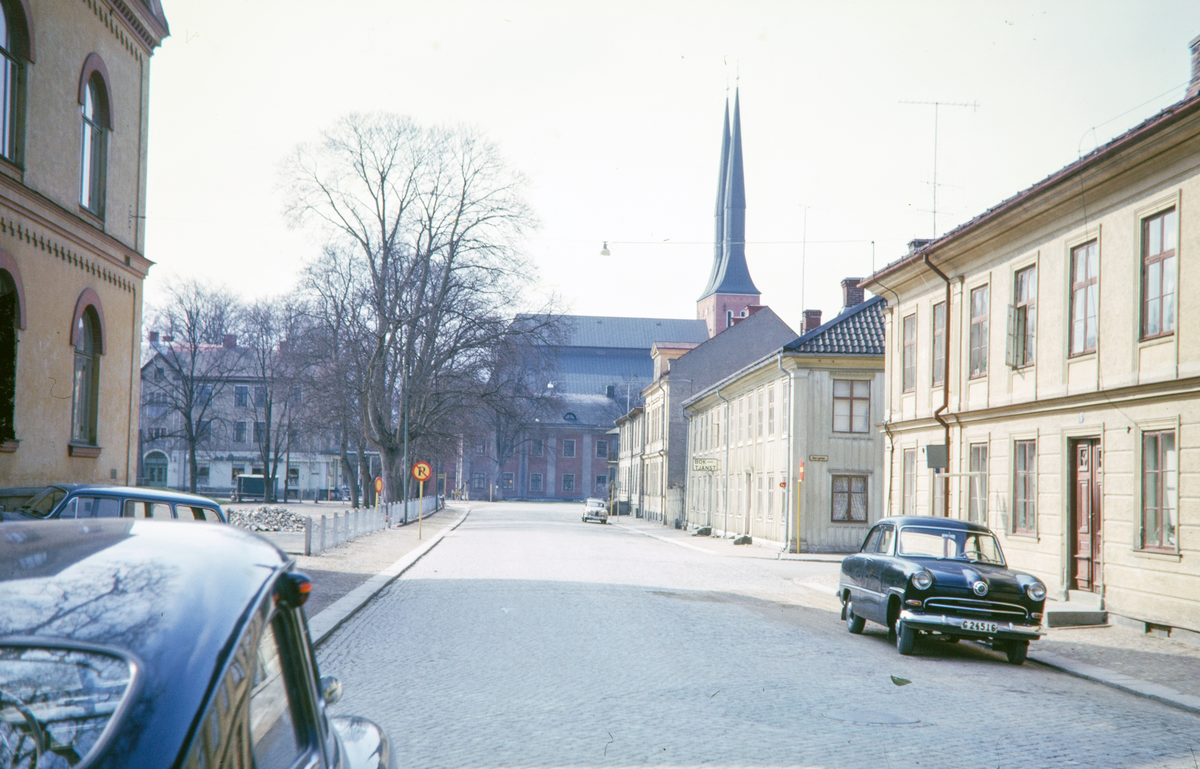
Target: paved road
<point>528,638</point>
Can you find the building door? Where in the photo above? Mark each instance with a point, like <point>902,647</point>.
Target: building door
<point>1086,515</point>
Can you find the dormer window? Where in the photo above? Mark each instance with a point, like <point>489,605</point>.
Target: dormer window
<point>570,416</point>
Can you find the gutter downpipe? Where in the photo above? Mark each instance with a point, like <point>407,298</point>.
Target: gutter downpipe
<point>945,387</point>
<point>791,482</point>
<point>725,483</point>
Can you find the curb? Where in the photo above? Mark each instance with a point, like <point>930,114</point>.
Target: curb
<point>668,540</point>
<point>335,615</point>
<point>1164,694</point>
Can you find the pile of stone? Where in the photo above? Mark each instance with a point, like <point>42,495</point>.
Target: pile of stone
<point>267,519</point>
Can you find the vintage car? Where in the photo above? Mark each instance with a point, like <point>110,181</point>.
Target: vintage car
<point>94,500</point>
<point>595,510</point>
<point>138,643</point>
<point>918,575</point>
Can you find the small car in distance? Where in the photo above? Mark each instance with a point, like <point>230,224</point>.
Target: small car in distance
<point>920,575</point>
<point>138,643</point>
<point>595,510</point>
<point>94,500</point>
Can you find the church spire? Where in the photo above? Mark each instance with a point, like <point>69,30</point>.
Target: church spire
<point>719,237</point>
<point>733,275</point>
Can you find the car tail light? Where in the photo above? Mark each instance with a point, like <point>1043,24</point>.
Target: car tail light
<point>293,588</point>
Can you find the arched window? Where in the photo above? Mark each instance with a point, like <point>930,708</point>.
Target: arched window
<point>10,318</point>
<point>155,466</point>
<point>96,109</point>
<point>15,49</point>
<point>91,187</point>
<point>87,376</point>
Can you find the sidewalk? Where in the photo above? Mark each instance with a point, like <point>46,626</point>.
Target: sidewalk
<point>1162,669</point>
<point>347,576</point>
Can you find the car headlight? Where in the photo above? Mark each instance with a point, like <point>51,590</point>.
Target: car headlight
<point>1036,591</point>
<point>922,580</point>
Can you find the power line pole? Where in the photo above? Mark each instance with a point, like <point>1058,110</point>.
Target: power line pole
<point>937,104</point>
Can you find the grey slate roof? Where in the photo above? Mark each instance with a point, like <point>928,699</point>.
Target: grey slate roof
<point>637,333</point>
<point>588,411</point>
<point>857,331</point>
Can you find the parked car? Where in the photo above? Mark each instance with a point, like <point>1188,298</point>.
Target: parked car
<point>918,575</point>
<point>93,500</point>
<point>135,643</point>
<point>595,510</point>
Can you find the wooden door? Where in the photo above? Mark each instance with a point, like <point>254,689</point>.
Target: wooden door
<point>1086,515</point>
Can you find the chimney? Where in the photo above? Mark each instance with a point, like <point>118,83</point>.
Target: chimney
<point>153,336</point>
<point>1194,85</point>
<point>812,319</point>
<point>283,347</point>
<point>229,341</point>
<point>851,293</point>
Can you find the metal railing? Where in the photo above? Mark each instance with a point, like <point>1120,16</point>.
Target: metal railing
<point>329,531</point>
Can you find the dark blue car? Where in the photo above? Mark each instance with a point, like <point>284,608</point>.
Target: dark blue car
<point>941,577</point>
<point>94,500</point>
<point>136,643</point>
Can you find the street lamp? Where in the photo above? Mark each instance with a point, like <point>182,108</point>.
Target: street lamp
<point>604,250</point>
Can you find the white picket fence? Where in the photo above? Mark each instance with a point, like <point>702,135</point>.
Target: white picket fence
<point>321,534</point>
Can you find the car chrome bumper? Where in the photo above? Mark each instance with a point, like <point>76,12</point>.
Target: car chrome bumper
<point>944,623</point>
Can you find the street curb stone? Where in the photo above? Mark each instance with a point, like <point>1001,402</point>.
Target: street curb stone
<point>1164,694</point>
<point>333,616</point>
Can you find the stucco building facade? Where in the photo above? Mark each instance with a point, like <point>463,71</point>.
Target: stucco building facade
<point>73,124</point>
<point>1043,374</point>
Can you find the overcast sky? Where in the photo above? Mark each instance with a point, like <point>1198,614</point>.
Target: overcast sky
<point>613,110</point>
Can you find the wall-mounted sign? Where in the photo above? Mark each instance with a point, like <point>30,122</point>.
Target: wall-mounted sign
<point>818,458</point>
<point>705,465</point>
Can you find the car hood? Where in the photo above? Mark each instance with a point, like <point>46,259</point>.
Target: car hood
<point>964,574</point>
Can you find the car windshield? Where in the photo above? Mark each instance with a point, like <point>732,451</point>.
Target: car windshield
<point>44,502</point>
<point>956,544</point>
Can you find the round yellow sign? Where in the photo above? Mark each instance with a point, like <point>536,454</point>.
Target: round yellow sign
<point>422,471</point>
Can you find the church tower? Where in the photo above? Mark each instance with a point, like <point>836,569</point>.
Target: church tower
<point>730,290</point>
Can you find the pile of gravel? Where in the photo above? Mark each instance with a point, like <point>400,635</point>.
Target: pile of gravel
<point>267,519</point>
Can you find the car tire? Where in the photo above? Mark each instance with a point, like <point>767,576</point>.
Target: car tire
<point>854,623</point>
<point>1017,651</point>
<point>906,638</point>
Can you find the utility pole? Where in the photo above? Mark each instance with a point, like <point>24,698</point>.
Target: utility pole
<point>936,105</point>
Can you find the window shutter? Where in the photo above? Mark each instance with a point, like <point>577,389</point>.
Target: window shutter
<point>1010,349</point>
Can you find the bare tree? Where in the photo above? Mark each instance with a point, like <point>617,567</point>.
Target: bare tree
<point>277,369</point>
<point>435,217</point>
<point>193,362</point>
<point>515,394</point>
<point>334,303</point>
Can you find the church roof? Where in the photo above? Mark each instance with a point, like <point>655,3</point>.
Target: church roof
<point>730,274</point>
<point>635,333</point>
<point>857,331</point>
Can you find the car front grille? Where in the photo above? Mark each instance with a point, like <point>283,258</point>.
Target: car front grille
<point>969,607</point>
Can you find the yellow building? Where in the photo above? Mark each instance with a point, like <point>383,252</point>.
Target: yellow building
<point>1043,374</point>
<point>74,85</point>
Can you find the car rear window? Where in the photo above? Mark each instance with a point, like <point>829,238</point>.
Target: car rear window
<point>64,699</point>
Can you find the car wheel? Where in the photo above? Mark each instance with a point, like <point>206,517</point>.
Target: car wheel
<point>1017,651</point>
<point>854,623</point>
<point>906,638</point>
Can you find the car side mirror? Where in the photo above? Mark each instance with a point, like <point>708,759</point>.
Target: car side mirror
<point>331,689</point>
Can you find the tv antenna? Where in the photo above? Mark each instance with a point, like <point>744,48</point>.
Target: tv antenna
<point>936,105</point>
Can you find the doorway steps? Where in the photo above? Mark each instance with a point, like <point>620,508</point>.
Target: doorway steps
<point>1081,609</point>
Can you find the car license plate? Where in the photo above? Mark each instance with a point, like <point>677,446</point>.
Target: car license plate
<point>982,627</point>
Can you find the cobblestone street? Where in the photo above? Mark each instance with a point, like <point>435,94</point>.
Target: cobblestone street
<point>528,638</point>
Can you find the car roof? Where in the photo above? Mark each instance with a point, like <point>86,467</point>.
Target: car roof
<point>144,492</point>
<point>171,594</point>
<point>933,520</point>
